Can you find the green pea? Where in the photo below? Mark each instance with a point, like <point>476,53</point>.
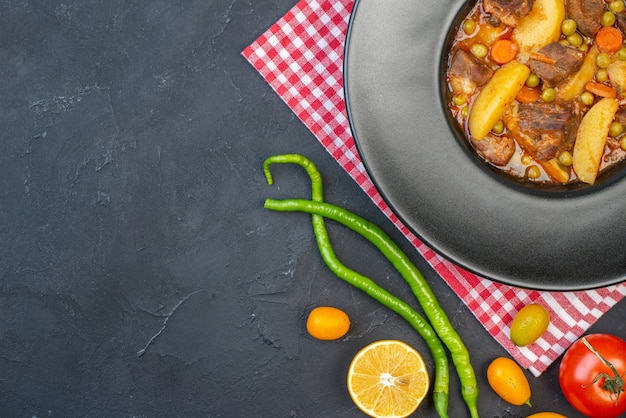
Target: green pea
<point>568,27</point>
<point>459,99</point>
<point>479,50</point>
<point>603,60</point>
<point>565,158</point>
<point>602,75</point>
<point>464,112</point>
<point>621,54</point>
<point>587,98</point>
<point>575,39</point>
<point>548,95</point>
<point>532,80</point>
<point>616,129</point>
<point>533,172</point>
<point>622,143</point>
<point>498,128</point>
<point>608,19</point>
<point>616,6</point>
<point>469,26</point>
<point>526,159</point>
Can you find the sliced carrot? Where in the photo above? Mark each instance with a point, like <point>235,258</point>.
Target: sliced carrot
<point>542,58</point>
<point>609,39</point>
<point>528,94</point>
<point>503,51</point>
<point>601,90</point>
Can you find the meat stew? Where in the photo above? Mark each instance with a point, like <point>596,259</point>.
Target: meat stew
<point>538,87</point>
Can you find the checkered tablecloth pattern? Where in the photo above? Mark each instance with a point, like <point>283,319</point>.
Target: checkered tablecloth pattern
<point>301,57</point>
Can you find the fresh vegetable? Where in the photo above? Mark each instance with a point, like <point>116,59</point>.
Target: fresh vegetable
<point>591,139</point>
<point>388,378</point>
<point>327,323</point>
<point>591,375</point>
<point>441,380</point>
<point>394,254</point>
<point>546,415</point>
<point>507,379</point>
<point>503,51</point>
<point>609,38</point>
<point>495,98</point>
<point>541,26</point>
<point>529,324</point>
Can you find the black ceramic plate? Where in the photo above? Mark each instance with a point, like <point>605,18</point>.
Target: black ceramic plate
<point>566,238</point>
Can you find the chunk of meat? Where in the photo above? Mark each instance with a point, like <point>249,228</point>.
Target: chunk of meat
<point>587,14</point>
<point>544,129</point>
<point>615,153</point>
<point>508,12</point>
<point>467,72</point>
<point>621,21</point>
<point>498,150</point>
<point>562,62</point>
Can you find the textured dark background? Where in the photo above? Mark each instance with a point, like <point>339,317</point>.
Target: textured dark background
<point>140,275</point>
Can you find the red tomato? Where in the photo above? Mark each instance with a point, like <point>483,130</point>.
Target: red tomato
<point>584,377</point>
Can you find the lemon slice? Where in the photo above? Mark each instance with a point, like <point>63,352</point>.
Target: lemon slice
<point>388,378</point>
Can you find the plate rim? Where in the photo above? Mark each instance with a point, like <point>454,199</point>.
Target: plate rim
<point>481,272</point>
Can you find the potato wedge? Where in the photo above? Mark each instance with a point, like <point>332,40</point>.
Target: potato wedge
<point>540,27</point>
<point>617,74</point>
<point>571,88</point>
<point>556,171</point>
<point>495,97</point>
<point>591,139</point>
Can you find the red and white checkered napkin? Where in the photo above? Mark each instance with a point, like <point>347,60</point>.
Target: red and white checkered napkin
<point>301,57</point>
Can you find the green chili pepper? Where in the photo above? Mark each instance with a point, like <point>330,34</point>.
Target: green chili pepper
<point>400,261</point>
<point>368,286</point>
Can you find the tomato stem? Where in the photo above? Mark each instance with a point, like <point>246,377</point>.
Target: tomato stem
<point>615,384</point>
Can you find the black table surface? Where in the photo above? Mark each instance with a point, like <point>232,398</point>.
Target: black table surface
<point>141,275</point>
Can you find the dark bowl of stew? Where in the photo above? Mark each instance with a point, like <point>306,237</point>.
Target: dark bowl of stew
<point>407,121</point>
<point>519,79</point>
